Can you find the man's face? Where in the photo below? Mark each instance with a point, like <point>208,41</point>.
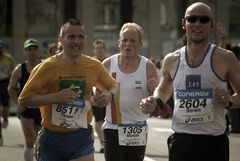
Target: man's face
<point>129,42</point>
<point>99,49</point>
<point>73,40</point>
<point>31,53</point>
<point>197,23</point>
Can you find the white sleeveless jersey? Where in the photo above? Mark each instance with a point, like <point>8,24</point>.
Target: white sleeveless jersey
<point>125,108</point>
<point>195,109</point>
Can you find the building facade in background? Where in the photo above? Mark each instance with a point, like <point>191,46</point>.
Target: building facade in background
<point>160,19</point>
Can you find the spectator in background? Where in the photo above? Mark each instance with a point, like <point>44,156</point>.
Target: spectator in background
<point>7,64</point>
<point>52,49</point>
<point>100,50</point>
<point>222,36</point>
<point>100,53</point>
<point>30,117</point>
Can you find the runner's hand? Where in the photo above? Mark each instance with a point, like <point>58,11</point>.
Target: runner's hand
<point>148,105</point>
<point>66,96</point>
<point>102,98</point>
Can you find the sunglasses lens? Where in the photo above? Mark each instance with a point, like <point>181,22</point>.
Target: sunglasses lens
<point>192,19</point>
<point>202,19</point>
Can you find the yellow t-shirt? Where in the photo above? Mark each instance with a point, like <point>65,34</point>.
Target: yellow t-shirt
<point>52,75</point>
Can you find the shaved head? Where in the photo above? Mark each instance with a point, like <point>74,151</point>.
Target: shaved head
<point>199,8</point>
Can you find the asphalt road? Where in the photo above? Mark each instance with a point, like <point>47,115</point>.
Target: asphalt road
<point>159,130</point>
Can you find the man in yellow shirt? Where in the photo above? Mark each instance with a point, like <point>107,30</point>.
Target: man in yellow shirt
<point>61,85</point>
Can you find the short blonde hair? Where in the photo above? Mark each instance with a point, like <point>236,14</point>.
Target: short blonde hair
<point>134,26</point>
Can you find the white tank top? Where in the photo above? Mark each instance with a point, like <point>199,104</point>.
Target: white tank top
<point>132,88</point>
<point>195,108</point>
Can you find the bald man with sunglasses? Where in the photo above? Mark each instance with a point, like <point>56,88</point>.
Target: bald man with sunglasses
<point>197,74</point>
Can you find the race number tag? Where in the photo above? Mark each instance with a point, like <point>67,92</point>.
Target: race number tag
<point>69,116</point>
<point>132,134</point>
<point>194,106</point>
<point>72,115</point>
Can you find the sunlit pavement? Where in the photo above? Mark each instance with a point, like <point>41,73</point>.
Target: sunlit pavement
<point>159,130</point>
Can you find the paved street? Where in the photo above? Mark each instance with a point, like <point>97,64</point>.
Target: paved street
<point>159,130</point>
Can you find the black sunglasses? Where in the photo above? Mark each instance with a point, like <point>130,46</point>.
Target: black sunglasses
<point>194,18</point>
